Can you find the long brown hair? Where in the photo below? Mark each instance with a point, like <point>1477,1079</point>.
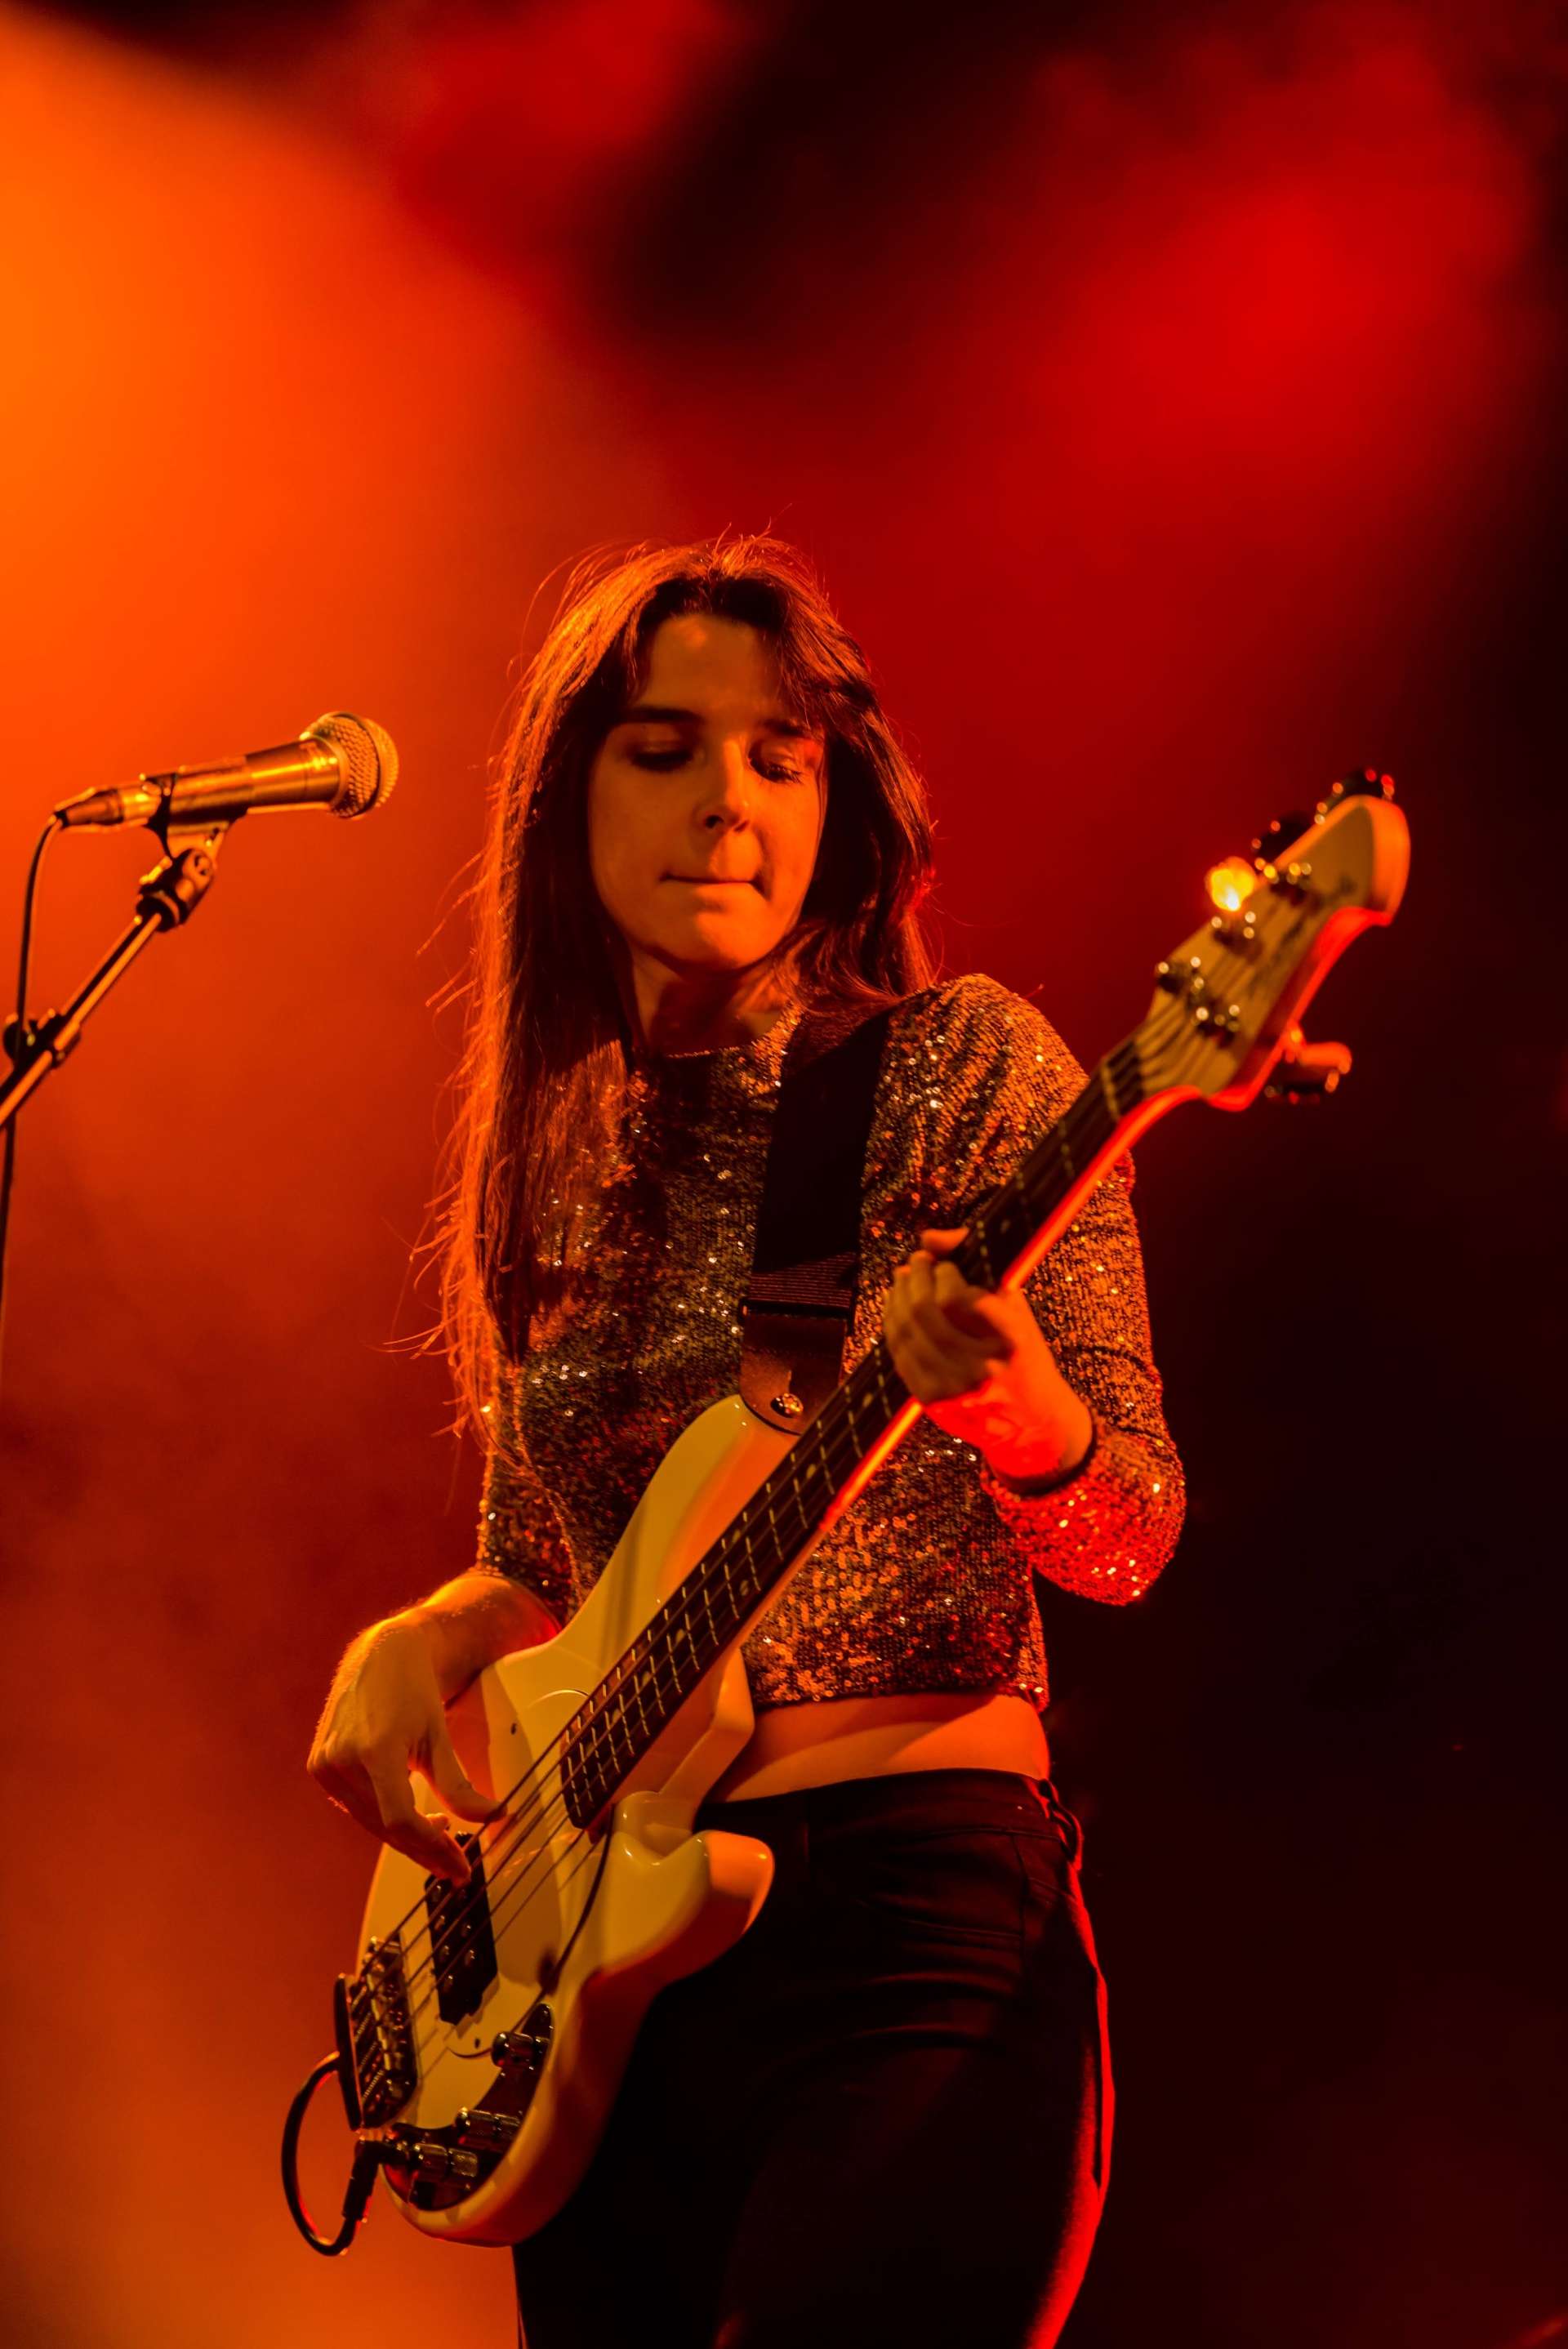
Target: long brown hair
<point>543,1077</point>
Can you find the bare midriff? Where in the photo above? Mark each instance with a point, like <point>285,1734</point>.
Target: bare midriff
<point>796,1745</point>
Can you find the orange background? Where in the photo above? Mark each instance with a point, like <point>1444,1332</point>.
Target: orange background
<point>1173,406</point>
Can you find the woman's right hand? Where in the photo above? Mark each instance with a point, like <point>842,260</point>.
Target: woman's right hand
<point>383,1718</point>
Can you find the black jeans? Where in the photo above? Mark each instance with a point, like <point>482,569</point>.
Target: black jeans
<point>882,2117</point>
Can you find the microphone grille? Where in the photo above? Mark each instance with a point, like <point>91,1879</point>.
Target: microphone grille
<point>367,756</point>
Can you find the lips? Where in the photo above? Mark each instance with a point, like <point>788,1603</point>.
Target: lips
<point>713,880</point>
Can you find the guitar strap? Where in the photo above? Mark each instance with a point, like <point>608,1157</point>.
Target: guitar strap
<point>806,1261</point>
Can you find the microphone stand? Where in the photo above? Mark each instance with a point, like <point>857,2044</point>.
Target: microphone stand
<point>167,896</point>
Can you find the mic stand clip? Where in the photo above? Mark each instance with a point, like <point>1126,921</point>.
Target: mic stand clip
<point>167,898</point>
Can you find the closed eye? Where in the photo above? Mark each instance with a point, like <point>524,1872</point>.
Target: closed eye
<point>665,762</point>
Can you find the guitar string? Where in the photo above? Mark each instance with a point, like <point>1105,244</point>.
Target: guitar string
<point>521,1822</point>
<point>504,1856</point>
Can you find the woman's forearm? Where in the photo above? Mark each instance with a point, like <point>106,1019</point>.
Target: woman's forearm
<point>471,1621</point>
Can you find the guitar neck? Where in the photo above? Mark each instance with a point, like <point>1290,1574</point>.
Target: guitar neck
<point>836,1456</point>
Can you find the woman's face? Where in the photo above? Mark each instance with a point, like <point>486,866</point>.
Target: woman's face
<point>706,804</point>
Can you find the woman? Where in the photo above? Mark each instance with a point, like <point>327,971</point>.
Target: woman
<point>884,2115</point>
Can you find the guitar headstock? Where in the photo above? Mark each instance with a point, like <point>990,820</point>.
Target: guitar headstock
<point>1228,1002</point>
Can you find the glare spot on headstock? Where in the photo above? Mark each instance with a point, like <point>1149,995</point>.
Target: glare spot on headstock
<point>1230,885</point>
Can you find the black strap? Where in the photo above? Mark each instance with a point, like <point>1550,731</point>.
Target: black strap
<point>807,1259</point>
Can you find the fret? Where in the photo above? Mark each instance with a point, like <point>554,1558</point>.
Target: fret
<point>803,1511</point>
<point>585,1751</point>
<point>1007,1228</point>
<point>615,1722</point>
<point>637,1680</point>
<point>664,1678</point>
<point>628,1670</point>
<point>667,1677</point>
<point>729,1554</point>
<point>749,1584</point>
<point>993,1233</point>
<point>1096,1112</point>
<point>690,1633</point>
<point>687,1669</point>
<point>679,1626</point>
<point>582,1798</point>
<point>696,1636</point>
<point>582,1775</point>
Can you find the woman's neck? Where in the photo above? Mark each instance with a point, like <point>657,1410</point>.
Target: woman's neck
<point>680,1011</point>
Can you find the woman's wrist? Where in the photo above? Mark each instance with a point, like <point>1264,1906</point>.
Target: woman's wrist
<point>1045,1458</point>
<point>470,1622</point>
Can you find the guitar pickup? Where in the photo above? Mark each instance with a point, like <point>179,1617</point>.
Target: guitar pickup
<point>462,1941</point>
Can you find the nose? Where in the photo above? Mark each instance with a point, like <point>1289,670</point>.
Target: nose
<point>726,802</point>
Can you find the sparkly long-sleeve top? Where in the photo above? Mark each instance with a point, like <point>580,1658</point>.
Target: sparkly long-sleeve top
<point>927,1583</point>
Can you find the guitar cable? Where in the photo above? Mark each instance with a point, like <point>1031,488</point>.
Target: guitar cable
<point>368,2156</point>
<point>17,1040</point>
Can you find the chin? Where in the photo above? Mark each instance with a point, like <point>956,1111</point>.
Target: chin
<point>715,944</point>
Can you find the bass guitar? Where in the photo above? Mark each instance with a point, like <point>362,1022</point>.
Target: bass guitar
<point>484,2029</point>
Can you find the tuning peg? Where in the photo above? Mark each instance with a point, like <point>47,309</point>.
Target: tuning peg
<point>1279,834</point>
<point>1365,783</point>
<point>1307,1071</point>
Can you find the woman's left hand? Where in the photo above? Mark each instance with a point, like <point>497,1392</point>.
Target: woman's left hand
<point>977,1360</point>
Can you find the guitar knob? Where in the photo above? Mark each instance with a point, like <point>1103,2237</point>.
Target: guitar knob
<point>434,2162</point>
<point>430,2160</point>
<point>520,2053</point>
<point>516,2055</point>
<point>483,2131</point>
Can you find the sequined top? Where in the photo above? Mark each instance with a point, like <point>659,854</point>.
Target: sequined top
<point>926,1584</point>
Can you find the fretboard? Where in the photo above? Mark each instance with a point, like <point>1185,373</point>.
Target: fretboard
<point>773,1533</point>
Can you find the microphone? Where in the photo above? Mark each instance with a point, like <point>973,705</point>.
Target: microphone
<point>343,763</point>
